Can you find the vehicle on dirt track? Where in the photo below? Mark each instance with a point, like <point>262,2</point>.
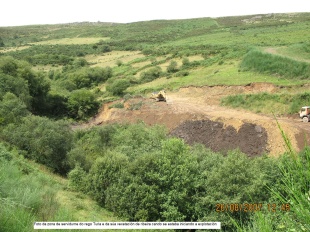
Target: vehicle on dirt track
<point>160,96</point>
<point>304,113</point>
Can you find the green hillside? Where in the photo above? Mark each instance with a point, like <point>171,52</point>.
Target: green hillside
<point>54,77</point>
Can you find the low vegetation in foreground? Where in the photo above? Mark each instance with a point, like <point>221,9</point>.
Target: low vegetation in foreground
<point>164,179</point>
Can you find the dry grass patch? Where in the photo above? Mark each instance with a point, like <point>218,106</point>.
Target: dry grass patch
<point>46,68</point>
<point>68,41</point>
<point>110,58</point>
<point>180,61</point>
<point>195,58</point>
<point>13,49</point>
<point>141,64</point>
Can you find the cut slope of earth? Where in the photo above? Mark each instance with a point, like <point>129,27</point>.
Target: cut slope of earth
<point>188,107</point>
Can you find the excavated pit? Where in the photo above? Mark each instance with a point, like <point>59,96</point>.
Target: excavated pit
<point>251,139</point>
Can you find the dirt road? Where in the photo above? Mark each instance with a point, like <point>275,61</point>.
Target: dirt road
<point>200,104</point>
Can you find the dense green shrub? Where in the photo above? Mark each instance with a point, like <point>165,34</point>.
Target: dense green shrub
<point>18,77</point>
<point>77,179</point>
<point>56,105</point>
<point>172,67</point>
<point>12,109</point>
<point>273,64</point>
<point>141,175</point>
<point>82,103</point>
<point>104,172</point>
<point>90,145</point>
<point>153,186</point>
<point>182,73</point>
<point>44,140</point>
<point>150,74</point>
<point>232,181</point>
<point>117,87</point>
<point>266,102</point>
<point>137,139</point>
<point>16,85</point>
<point>87,77</point>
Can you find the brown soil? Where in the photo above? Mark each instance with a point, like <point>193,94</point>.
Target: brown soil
<point>250,138</point>
<point>193,112</point>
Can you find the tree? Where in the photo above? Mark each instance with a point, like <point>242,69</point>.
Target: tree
<point>12,109</point>
<point>44,140</point>
<point>151,74</point>
<point>82,103</point>
<point>157,185</point>
<point>17,86</point>
<point>118,86</point>
<point>20,79</point>
<point>106,171</point>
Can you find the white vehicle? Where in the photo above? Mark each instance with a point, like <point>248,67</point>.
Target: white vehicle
<point>304,113</point>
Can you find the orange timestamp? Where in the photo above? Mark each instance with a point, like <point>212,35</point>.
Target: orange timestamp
<point>251,207</point>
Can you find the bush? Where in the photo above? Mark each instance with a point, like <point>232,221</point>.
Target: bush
<point>118,105</point>
<point>12,109</point>
<point>221,182</point>
<point>77,179</point>
<point>45,141</point>
<point>18,77</point>
<point>273,64</point>
<point>82,104</point>
<point>90,145</point>
<point>185,62</point>
<point>104,172</point>
<point>182,74</point>
<point>172,67</point>
<point>119,63</point>
<point>266,102</point>
<point>160,185</point>
<point>87,77</point>
<point>151,74</point>
<point>118,86</point>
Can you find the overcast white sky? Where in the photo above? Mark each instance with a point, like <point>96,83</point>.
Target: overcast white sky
<point>26,12</point>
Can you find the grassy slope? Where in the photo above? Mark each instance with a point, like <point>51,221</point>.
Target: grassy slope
<point>219,43</point>
<point>49,191</point>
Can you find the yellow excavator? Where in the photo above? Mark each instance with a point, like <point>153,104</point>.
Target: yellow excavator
<point>159,96</point>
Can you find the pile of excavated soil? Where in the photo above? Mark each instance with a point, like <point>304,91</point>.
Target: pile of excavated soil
<point>251,139</point>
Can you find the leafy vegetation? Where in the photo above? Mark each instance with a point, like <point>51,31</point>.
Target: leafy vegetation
<point>164,178</point>
<point>118,86</point>
<point>43,140</point>
<point>24,198</point>
<point>271,64</point>
<point>268,103</point>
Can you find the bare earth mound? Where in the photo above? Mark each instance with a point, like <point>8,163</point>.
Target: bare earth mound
<point>195,114</point>
<point>251,139</point>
